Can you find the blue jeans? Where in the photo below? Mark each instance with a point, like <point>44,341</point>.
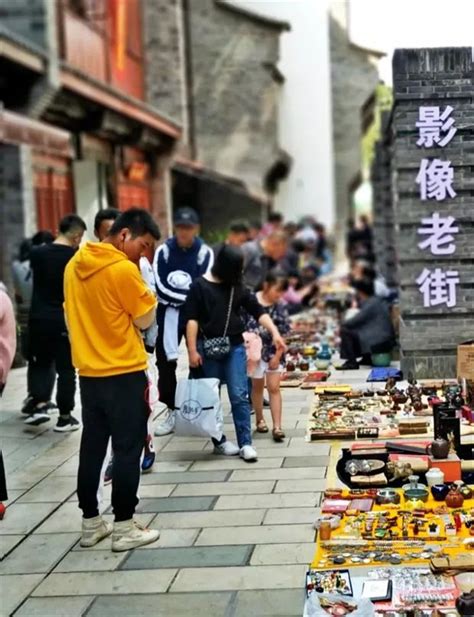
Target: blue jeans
<point>233,371</point>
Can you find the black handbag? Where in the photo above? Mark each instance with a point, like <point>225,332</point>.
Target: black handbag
<point>218,348</point>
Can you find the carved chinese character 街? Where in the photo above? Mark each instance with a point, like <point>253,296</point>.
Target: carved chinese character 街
<point>435,179</point>
<point>434,127</point>
<point>438,230</point>
<point>438,287</point>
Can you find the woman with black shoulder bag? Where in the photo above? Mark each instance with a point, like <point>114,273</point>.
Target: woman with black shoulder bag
<point>214,338</point>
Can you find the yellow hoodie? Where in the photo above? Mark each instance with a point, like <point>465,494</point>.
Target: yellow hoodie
<point>103,294</point>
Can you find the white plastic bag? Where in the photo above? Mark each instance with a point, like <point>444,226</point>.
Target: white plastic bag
<point>198,408</point>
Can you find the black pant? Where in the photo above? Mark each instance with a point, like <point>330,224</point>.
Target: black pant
<point>350,344</point>
<point>112,407</point>
<point>50,354</point>
<point>166,369</point>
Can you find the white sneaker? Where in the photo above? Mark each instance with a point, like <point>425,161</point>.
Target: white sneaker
<point>248,453</point>
<point>227,449</point>
<point>166,426</point>
<point>130,534</point>
<point>94,530</point>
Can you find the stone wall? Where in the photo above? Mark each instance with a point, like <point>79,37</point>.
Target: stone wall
<point>234,105</point>
<point>163,46</point>
<point>433,77</point>
<point>11,208</point>
<point>383,214</point>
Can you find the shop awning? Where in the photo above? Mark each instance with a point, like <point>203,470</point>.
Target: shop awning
<point>17,129</point>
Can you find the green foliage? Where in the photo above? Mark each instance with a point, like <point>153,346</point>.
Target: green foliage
<point>214,236</point>
<point>384,102</point>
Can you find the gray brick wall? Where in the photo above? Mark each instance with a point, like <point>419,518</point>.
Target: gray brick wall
<point>11,208</point>
<point>164,49</point>
<point>429,336</point>
<point>234,94</point>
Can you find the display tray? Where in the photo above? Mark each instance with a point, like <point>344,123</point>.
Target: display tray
<point>341,414</point>
<point>405,534</point>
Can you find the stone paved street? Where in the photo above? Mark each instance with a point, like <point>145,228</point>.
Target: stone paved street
<point>235,537</point>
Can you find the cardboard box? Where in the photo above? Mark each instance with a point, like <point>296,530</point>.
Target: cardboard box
<point>465,364</point>
<point>451,467</point>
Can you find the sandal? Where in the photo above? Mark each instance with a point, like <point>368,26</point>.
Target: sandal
<point>278,434</point>
<point>262,427</point>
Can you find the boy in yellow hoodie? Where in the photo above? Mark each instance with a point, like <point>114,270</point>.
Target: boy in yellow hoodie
<point>106,305</point>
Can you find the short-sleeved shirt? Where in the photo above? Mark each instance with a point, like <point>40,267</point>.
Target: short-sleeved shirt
<point>208,304</point>
<point>281,318</point>
<point>104,293</point>
<point>48,263</point>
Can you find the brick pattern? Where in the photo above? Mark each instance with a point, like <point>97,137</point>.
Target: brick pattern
<point>429,336</point>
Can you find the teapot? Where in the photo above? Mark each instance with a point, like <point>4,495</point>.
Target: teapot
<point>439,448</point>
<point>454,499</point>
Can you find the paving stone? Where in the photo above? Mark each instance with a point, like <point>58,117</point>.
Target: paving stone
<point>176,504</point>
<point>212,519</point>
<point>28,477</point>
<point>38,553</point>
<point>268,554</point>
<point>303,449</point>
<point>51,489</point>
<point>306,461</point>
<point>245,577</point>
<point>297,473</point>
<point>300,486</point>
<point>7,543</point>
<point>147,491</point>
<point>235,462</point>
<point>290,516</point>
<point>263,534</point>
<point>177,445</point>
<point>162,605</point>
<point>289,432</point>
<point>225,488</point>
<point>55,607</point>
<point>194,557</point>
<point>107,583</point>
<point>21,518</point>
<point>18,588</point>
<point>91,560</point>
<point>280,500</point>
<point>160,477</point>
<point>275,603</point>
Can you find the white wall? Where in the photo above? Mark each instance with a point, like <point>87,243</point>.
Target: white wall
<point>86,189</point>
<point>305,107</point>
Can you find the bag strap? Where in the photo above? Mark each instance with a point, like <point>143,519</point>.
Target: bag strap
<point>229,311</point>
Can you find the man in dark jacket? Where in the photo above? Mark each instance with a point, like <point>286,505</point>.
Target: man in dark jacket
<point>177,263</point>
<point>370,327</point>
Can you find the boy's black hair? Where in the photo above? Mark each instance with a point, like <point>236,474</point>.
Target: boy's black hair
<point>138,221</point>
<point>275,217</point>
<point>229,264</point>
<point>71,222</point>
<point>24,250</point>
<point>42,237</point>
<point>239,227</point>
<point>108,214</point>
<point>277,277</point>
<point>255,224</point>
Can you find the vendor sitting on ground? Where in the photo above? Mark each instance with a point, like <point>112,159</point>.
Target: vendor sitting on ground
<point>370,328</point>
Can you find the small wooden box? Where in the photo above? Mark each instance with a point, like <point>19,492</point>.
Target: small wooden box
<point>451,467</point>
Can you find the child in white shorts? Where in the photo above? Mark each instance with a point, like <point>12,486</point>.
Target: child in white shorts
<point>271,365</point>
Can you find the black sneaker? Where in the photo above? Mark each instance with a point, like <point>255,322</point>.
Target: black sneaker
<point>266,402</point>
<point>28,406</point>
<point>66,424</point>
<point>349,365</point>
<point>39,416</point>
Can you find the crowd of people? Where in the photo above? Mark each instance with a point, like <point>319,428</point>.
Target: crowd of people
<point>109,309</point>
